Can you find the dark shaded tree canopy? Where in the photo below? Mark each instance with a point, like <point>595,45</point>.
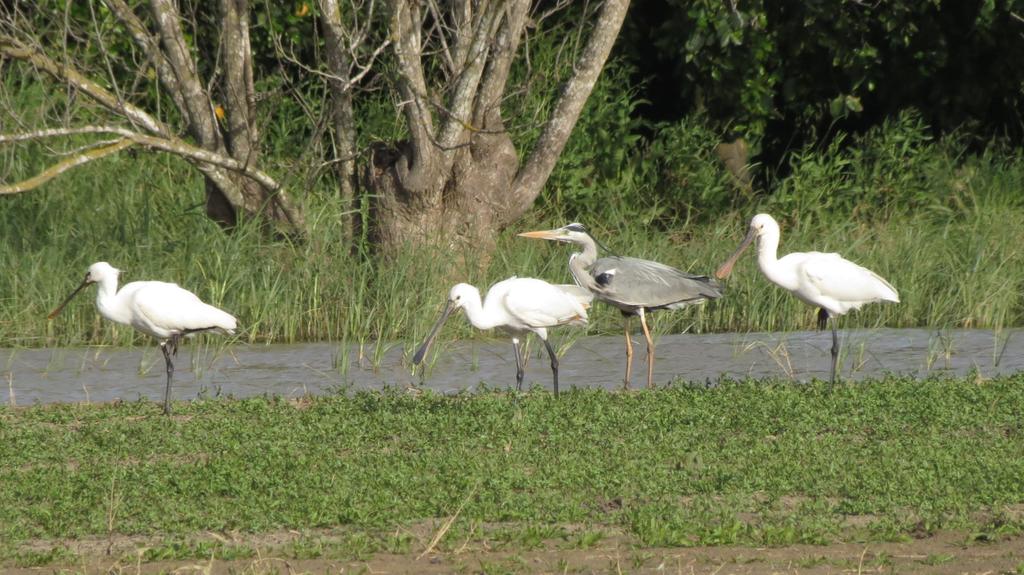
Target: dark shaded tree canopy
<point>791,71</point>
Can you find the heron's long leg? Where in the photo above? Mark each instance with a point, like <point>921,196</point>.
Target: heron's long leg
<point>554,364</point>
<point>170,349</point>
<point>519,364</point>
<point>835,350</point>
<point>650,349</point>
<point>629,355</point>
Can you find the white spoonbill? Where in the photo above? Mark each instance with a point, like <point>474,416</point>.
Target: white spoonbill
<point>519,306</point>
<point>158,309</point>
<point>827,281</point>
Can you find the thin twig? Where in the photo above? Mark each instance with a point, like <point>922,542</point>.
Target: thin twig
<point>174,146</point>
<point>65,165</point>
<point>447,524</point>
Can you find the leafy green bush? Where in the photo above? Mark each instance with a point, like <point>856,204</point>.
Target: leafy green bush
<point>598,164</point>
<point>895,168</point>
<point>686,176</point>
<point>616,165</point>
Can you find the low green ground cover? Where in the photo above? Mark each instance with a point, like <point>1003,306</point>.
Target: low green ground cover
<point>756,462</point>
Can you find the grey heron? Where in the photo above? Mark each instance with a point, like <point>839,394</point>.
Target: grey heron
<point>633,285</point>
<point>158,309</point>
<point>519,306</point>
<point>824,280</point>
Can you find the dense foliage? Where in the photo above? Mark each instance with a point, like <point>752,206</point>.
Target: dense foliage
<point>792,71</point>
<point>938,214</point>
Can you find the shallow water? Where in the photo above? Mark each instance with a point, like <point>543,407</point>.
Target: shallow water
<point>101,374</point>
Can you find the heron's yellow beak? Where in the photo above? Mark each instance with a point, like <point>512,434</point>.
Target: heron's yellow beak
<point>543,235</point>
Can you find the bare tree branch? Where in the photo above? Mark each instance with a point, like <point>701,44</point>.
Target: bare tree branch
<point>203,121</point>
<point>171,145</point>
<point>462,26</point>
<point>148,45</point>
<point>238,88</point>
<point>11,47</point>
<point>503,52</point>
<point>535,170</point>
<point>59,132</point>
<point>208,162</point>
<point>340,66</point>
<point>340,82</point>
<point>469,78</point>
<point>406,23</point>
<point>437,18</point>
<point>65,165</point>
<point>234,184</point>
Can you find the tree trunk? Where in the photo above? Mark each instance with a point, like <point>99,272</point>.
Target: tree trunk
<point>339,63</point>
<point>457,186</point>
<point>472,199</point>
<point>229,194</point>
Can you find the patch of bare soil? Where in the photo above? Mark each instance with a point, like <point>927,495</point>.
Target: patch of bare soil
<point>945,553</point>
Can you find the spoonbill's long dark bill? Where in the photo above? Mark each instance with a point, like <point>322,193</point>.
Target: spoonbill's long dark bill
<point>633,285</point>
<point>827,281</point>
<point>519,306</point>
<point>158,309</point>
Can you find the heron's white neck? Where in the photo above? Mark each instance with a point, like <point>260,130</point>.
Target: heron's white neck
<point>481,315</point>
<point>107,302</point>
<point>589,253</point>
<point>578,268</point>
<point>580,262</point>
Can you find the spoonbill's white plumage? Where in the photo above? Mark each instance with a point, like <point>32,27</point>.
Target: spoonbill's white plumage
<point>162,310</point>
<point>827,281</point>
<point>519,306</point>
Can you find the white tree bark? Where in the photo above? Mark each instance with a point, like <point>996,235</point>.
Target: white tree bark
<point>418,173</point>
<point>235,183</point>
<point>537,168</point>
<point>340,65</point>
<point>129,138</point>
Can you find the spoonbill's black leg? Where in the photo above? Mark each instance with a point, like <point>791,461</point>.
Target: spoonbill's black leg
<point>170,349</point>
<point>835,350</point>
<point>822,318</point>
<point>554,364</point>
<point>519,364</point>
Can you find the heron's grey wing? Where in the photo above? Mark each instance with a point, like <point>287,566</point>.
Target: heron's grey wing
<point>644,283</point>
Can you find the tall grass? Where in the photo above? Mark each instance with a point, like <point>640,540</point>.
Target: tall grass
<point>945,227</point>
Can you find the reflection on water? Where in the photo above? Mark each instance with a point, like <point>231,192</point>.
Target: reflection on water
<point>103,374</point>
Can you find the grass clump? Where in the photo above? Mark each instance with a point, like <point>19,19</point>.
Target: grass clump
<point>939,218</point>
<point>940,222</point>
